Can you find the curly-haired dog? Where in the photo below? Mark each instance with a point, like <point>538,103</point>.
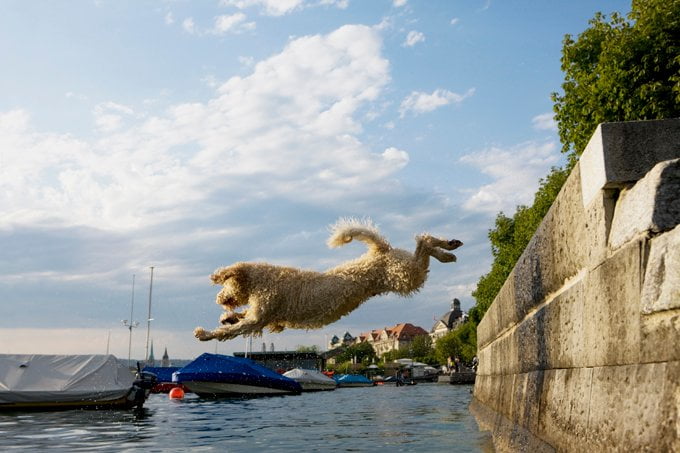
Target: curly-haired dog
<point>285,297</point>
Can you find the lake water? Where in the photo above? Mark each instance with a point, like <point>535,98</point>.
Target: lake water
<point>424,417</point>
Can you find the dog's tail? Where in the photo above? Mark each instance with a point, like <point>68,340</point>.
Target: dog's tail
<point>347,229</point>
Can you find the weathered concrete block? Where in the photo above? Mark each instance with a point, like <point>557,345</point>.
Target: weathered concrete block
<point>485,361</point>
<point>660,336</point>
<point>530,405</point>
<point>661,287</point>
<point>611,317</point>
<point>508,315</point>
<point>564,408</point>
<point>651,205</point>
<point>564,328</point>
<point>532,346</point>
<point>482,389</point>
<point>558,250</point>
<point>619,153</point>
<point>635,408</point>
<point>506,435</point>
<point>488,330</point>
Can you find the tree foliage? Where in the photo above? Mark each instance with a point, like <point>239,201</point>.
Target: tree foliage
<point>510,237</point>
<point>620,69</point>
<point>361,353</point>
<point>303,348</point>
<point>460,342</point>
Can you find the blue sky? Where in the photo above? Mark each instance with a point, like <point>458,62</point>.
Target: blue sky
<point>189,135</point>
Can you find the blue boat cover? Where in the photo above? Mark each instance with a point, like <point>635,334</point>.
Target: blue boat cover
<point>223,368</point>
<point>164,374</point>
<point>352,379</point>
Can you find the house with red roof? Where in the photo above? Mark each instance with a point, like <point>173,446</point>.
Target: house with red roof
<point>392,338</point>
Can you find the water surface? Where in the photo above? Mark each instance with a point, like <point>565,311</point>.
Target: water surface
<point>424,417</point>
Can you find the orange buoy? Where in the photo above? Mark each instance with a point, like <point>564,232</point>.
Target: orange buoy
<point>176,393</point>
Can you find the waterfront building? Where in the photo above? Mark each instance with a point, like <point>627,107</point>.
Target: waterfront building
<point>347,340</point>
<point>448,321</point>
<point>393,338</point>
<point>281,361</point>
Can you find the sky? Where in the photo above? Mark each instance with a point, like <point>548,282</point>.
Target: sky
<point>189,135</point>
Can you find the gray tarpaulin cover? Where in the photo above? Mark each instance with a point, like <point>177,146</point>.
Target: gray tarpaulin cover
<point>26,378</point>
<point>309,377</point>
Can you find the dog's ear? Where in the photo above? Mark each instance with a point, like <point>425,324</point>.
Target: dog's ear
<point>221,275</point>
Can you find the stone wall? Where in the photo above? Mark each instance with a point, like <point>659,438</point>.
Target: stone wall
<point>580,350</point>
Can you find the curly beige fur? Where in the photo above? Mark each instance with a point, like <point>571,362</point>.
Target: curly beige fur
<point>284,297</point>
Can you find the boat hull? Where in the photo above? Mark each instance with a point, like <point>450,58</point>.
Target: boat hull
<point>316,387</point>
<point>85,402</point>
<point>214,389</point>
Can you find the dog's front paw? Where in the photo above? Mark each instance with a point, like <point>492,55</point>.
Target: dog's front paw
<point>202,334</point>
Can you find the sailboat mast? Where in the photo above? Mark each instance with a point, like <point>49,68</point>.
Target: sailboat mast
<point>148,318</point>
<point>132,307</point>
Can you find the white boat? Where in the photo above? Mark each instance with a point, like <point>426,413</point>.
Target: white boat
<point>311,380</point>
<point>39,381</point>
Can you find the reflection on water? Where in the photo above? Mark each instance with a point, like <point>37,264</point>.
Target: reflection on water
<point>425,417</point>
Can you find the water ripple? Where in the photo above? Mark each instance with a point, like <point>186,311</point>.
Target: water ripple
<point>425,417</point>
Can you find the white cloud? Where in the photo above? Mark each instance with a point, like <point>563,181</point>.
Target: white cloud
<point>340,4</point>
<point>169,18</point>
<point>413,37</point>
<point>289,129</point>
<point>246,61</point>
<point>268,7</point>
<point>109,116</point>
<point>78,96</point>
<point>282,7</point>
<point>189,26</point>
<point>455,20</point>
<point>418,102</point>
<point>399,3</point>
<point>234,23</point>
<point>515,174</point>
<point>544,122</point>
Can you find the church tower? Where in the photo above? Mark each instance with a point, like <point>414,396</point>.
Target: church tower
<point>165,361</point>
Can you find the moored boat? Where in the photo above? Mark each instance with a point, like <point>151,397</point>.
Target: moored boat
<point>353,380</point>
<point>214,375</point>
<point>311,380</point>
<point>164,379</point>
<point>52,382</point>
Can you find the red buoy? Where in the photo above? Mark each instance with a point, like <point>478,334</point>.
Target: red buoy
<point>176,393</point>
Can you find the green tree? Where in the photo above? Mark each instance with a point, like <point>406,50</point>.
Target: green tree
<point>620,69</point>
<point>302,348</point>
<point>509,239</point>
<point>362,352</point>
<point>395,354</point>
<point>421,347</point>
<point>461,342</point>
